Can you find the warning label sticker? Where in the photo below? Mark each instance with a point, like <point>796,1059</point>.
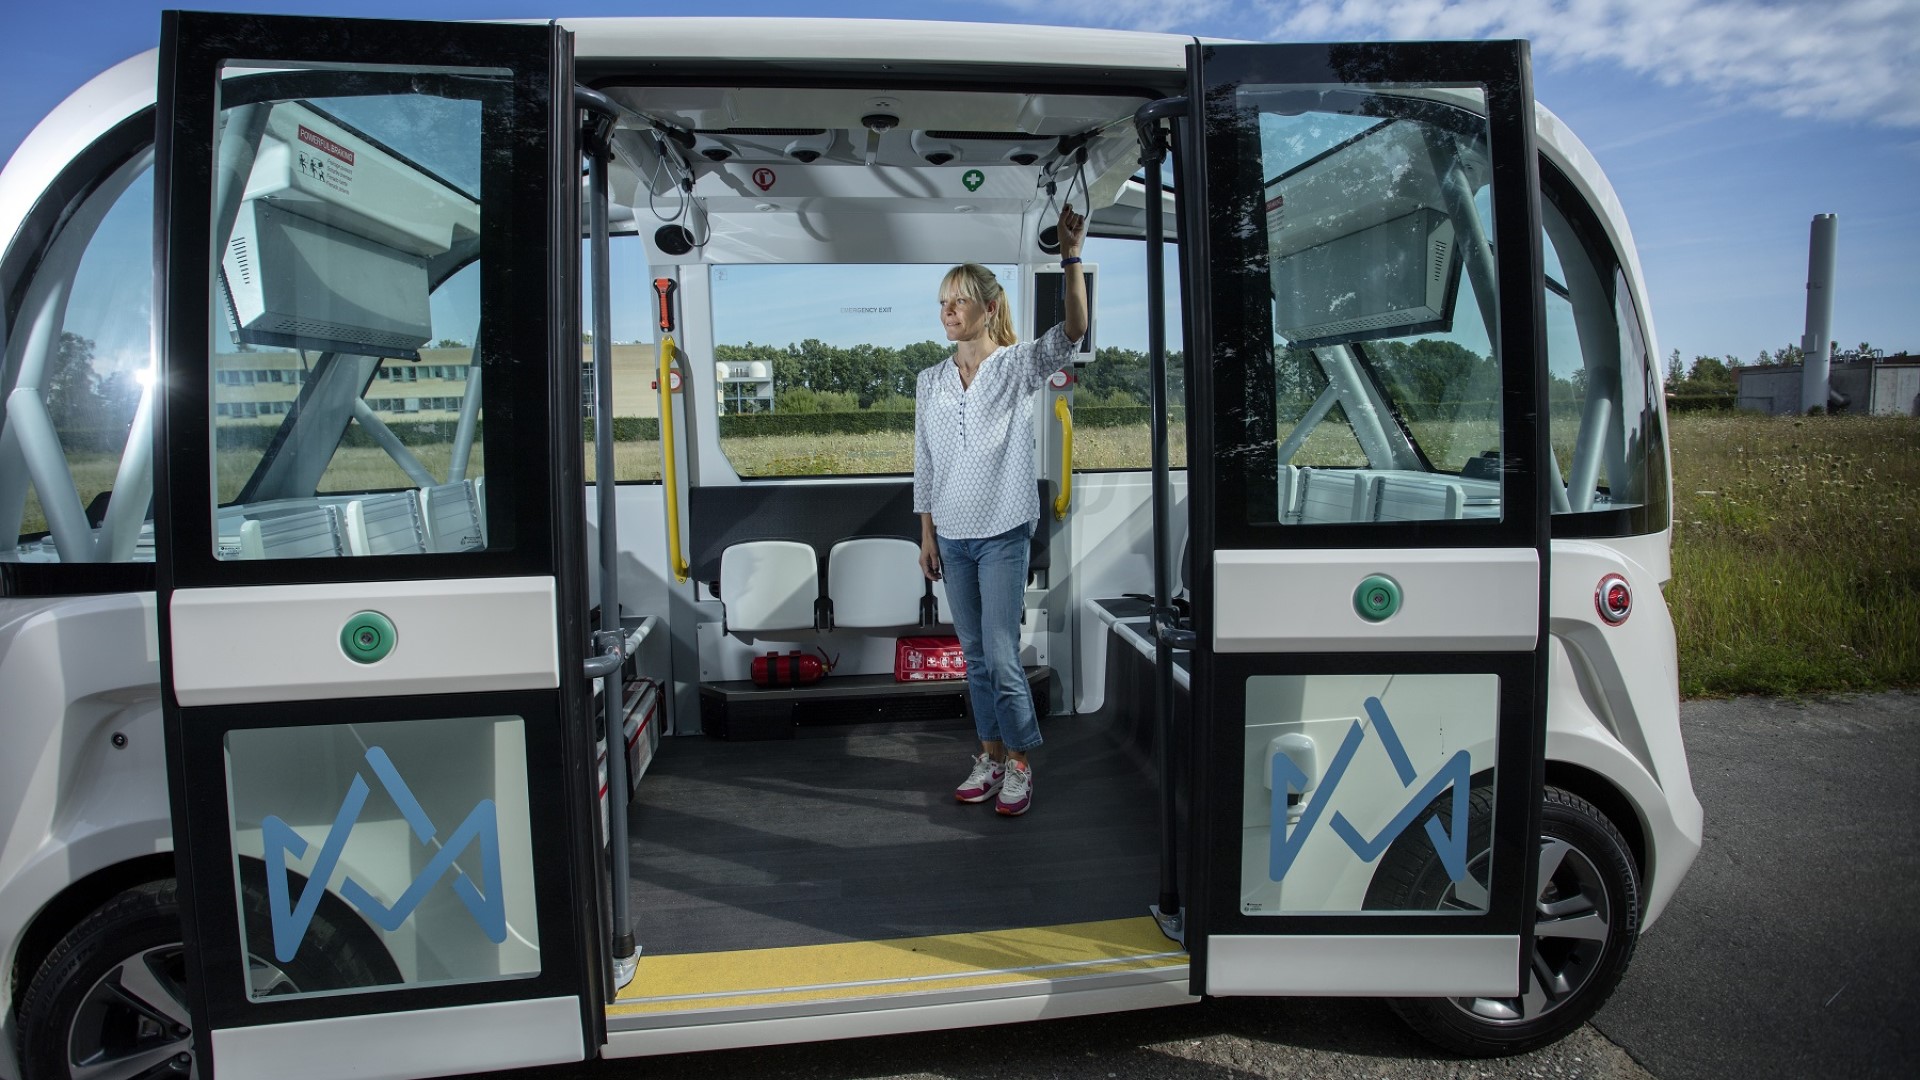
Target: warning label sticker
<point>320,158</point>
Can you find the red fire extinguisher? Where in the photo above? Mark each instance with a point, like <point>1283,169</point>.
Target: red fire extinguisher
<point>793,669</point>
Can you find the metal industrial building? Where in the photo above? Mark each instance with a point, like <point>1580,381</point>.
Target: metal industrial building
<point>1875,386</point>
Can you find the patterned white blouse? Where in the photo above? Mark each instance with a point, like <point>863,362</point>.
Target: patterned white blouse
<point>973,447</point>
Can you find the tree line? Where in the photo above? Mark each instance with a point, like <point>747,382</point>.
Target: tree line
<point>1713,376</point>
<point>813,376</point>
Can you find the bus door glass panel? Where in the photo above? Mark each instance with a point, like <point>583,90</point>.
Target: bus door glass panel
<point>1377,543</point>
<point>344,371</point>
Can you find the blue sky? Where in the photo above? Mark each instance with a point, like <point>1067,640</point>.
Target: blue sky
<point>1725,125</point>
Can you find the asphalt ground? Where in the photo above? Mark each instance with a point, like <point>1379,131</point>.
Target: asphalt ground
<point>1788,951</point>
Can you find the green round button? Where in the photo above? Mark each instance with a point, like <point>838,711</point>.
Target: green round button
<point>367,637</point>
<point>1377,598</point>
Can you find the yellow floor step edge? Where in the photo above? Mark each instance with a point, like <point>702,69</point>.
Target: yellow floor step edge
<point>868,969</point>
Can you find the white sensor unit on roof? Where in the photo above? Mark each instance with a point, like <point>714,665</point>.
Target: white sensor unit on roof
<point>332,242</point>
<point>1348,268</point>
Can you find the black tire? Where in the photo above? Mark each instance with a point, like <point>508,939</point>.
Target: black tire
<point>1588,922</point>
<point>113,990</point>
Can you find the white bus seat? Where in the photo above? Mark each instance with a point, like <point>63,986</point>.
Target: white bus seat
<point>1330,496</point>
<point>387,524</point>
<point>301,534</point>
<point>1408,498</point>
<point>768,586</point>
<point>452,516</point>
<point>874,581</point>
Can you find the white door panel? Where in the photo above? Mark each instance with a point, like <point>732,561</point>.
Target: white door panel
<point>282,642</point>
<point>388,1046</point>
<point>1452,600</point>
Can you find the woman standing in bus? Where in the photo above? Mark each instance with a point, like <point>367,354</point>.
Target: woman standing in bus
<point>973,487</point>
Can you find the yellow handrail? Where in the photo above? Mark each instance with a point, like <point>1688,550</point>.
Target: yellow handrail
<point>1065,416</point>
<point>676,559</point>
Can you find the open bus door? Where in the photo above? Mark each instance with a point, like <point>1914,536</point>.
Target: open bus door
<point>372,641</point>
<point>1369,520</point>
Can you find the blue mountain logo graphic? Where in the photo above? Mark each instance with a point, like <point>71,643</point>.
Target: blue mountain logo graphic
<point>1450,844</point>
<point>291,917</point>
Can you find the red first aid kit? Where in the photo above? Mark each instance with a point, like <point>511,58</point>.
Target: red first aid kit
<point>924,659</point>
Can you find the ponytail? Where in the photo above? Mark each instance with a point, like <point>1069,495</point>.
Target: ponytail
<point>976,281</point>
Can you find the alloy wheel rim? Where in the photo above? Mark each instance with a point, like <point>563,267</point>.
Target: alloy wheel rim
<point>1573,922</point>
<point>133,1023</point>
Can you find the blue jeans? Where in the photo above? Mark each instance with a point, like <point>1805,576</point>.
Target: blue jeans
<point>986,587</point>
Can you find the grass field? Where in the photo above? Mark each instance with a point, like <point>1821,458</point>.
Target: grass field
<point>1796,554</point>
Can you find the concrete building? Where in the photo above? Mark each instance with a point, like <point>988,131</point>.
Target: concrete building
<point>1877,386</point>
<point>261,385</point>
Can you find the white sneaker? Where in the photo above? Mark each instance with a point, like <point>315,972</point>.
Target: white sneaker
<point>1016,793</point>
<point>982,782</point>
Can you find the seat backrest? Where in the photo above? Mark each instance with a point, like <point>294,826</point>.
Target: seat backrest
<point>769,585</point>
<point>1333,495</point>
<point>1406,498</point>
<point>310,533</point>
<point>452,516</point>
<point>875,581</point>
<point>389,524</point>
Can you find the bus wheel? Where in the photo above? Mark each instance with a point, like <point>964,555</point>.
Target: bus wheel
<point>1587,923</point>
<point>110,1001</point>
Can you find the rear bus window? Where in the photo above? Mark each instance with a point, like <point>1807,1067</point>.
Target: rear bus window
<point>815,370</point>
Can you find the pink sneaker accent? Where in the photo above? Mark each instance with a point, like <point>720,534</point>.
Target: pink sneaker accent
<point>982,782</point>
<point>1016,793</point>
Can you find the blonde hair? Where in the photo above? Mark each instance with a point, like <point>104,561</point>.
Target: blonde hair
<point>977,283</point>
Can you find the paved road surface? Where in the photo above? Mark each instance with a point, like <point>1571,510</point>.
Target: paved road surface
<point>1790,951</point>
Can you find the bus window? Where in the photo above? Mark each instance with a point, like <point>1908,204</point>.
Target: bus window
<point>1112,395</point>
<point>820,364</point>
<point>92,373</point>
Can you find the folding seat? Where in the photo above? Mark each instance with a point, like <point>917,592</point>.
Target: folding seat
<point>1329,496</point>
<point>310,533</point>
<point>769,586</point>
<point>874,582</point>
<point>1407,498</point>
<point>453,517</point>
<point>388,524</point>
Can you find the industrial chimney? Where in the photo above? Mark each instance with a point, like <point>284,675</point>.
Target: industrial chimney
<point>1816,345</point>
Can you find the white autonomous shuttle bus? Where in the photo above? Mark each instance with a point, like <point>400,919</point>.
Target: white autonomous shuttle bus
<point>1346,625</point>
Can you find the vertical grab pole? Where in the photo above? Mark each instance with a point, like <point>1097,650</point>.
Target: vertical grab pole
<point>1152,151</point>
<point>598,119</point>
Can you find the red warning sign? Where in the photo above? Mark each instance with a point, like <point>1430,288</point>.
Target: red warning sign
<point>763,179</point>
<point>325,145</point>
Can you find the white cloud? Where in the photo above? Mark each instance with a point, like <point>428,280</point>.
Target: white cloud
<point>1157,15</point>
<point>1826,59</point>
